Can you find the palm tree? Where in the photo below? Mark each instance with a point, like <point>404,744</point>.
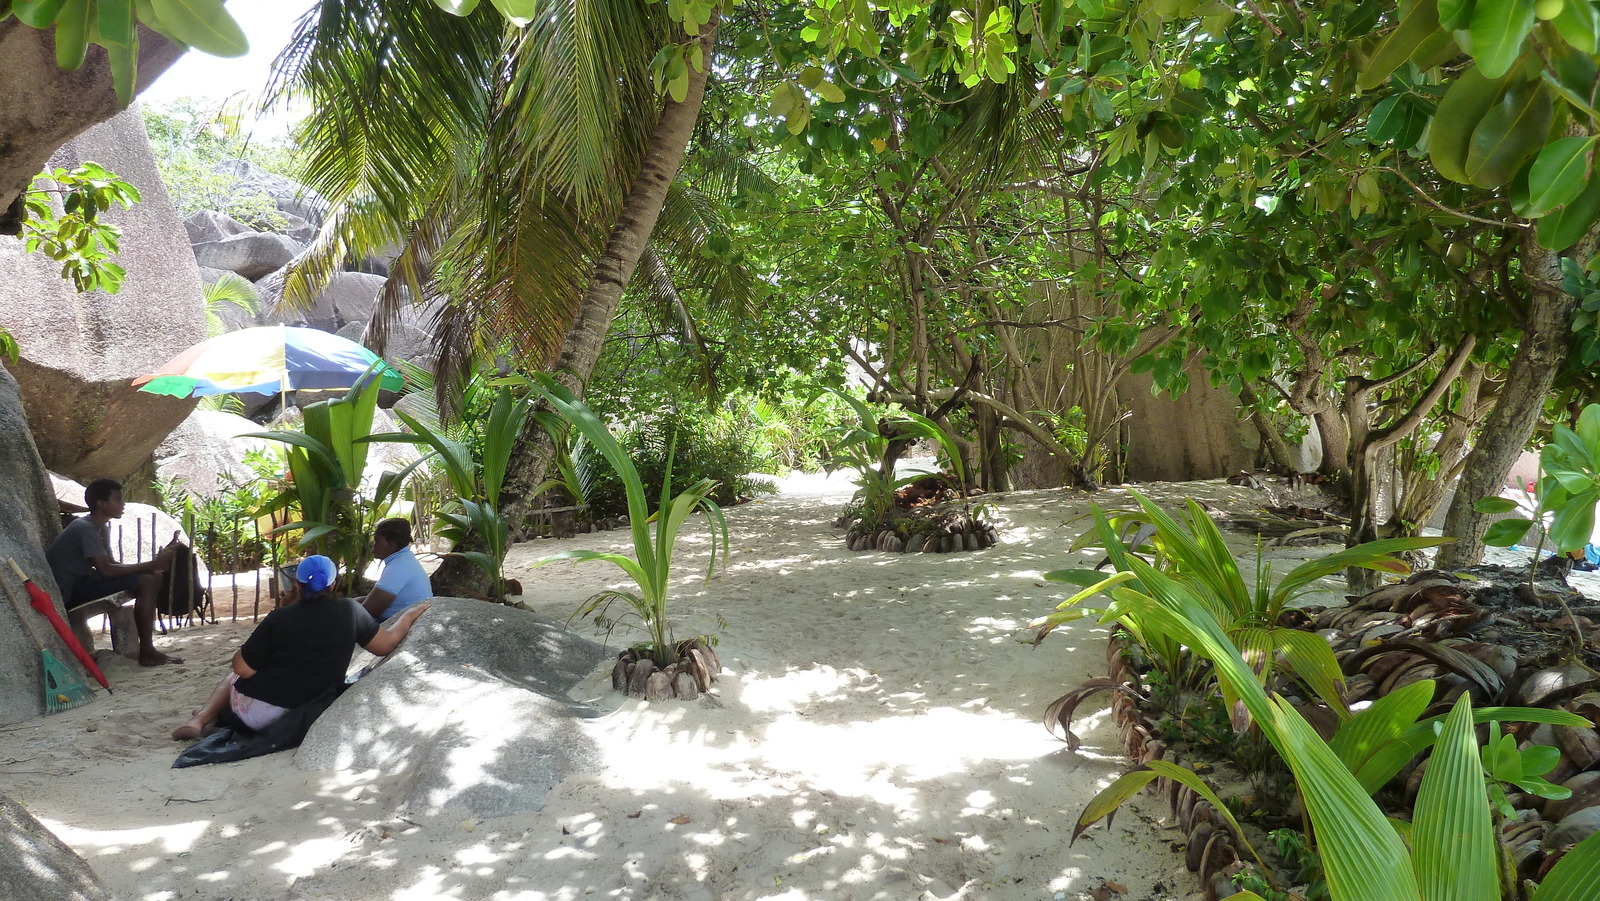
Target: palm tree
<point>520,171</point>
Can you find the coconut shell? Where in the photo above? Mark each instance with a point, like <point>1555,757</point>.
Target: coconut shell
<point>1576,827</point>
<point>639,676</point>
<point>619,675</point>
<point>1585,789</point>
<point>658,687</point>
<point>1567,680</point>
<point>1579,744</point>
<point>685,688</point>
<point>1194,852</point>
<point>893,543</point>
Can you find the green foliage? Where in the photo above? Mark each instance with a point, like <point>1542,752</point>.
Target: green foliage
<point>230,289</point>
<point>1193,553</point>
<point>1451,852</point>
<point>8,346</point>
<point>224,528</point>
<point>112,24</point>
<point>1568,489</point>
<point>685,445</point>
<point>650,567</point>
<point>327,461</point>
<point>191,137</point>
<point>77,238</point>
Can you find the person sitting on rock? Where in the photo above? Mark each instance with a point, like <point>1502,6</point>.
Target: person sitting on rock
<point>403,582</point>
<point>80,559</point>
<point>297,653</point>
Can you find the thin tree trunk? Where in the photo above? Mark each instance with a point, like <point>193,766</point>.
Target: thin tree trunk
<point>1540,355</point>
<point>1271,439</point>
<point>531,458</point>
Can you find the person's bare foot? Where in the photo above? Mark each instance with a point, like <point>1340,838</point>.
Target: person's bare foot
<point>156,658</point>
<point>189,731</point>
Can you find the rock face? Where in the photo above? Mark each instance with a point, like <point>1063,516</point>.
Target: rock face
<point>205,449</point>
<point>27,523</point>
<point>291,199</point>
<point>36,865</point>
<point>1197,436</point>
<point>80,351</point>
<point>472,711</point>
<point>210,225</point>
<point>348,299</point>
<point>251,254</point>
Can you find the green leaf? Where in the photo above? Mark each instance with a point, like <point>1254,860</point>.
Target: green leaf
<point>1362,856</point>
<point>1452,836</point>
<point>202,24</point>
<point>114,23</point>
<point>72,33</point>
<point>1498,29</point>
<point>37,13</point>
<point>1454,14</point>
<point>1565,227</point>
<point>1494,506</point>
<point>1398,45</point>
<point>1506,532</point>
<point>830,92</point>
<point>1386,720</point>
<point>457,7</point>
<point>1559,174</point>
<point>1588,431</point>
<point>1397,118</point>
<point>517,12</point>
<point>1573,524</point>
<point>1579,23</point>
<point>1512,130</point>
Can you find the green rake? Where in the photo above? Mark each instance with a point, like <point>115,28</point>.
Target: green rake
<point>63,690</point>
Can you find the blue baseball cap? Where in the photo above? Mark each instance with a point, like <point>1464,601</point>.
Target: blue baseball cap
<point>316,572</point>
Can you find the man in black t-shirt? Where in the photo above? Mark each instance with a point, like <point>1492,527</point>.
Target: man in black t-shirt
<point>297,653</point>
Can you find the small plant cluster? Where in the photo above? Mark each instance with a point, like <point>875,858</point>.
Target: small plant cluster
<point>683,446</point>
<point>925,531</point>
<point>225,527</point>
<point>650,567</point>
<point>1202,627</point>
<point>78,238</point>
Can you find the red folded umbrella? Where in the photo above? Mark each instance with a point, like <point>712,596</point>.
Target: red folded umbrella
<point>42,603</point>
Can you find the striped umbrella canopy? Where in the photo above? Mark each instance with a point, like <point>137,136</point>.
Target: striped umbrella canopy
<point>267,360</point>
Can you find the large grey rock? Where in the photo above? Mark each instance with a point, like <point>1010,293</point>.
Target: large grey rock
<point>348,298</point>
<point>28,521</point>
<point>472,711</point>
<point>210,225</point>
<point>291,198</point>
<point>80,351</point>
<point>251,254</point>
<point>205,451</point>
<point>36,865</point>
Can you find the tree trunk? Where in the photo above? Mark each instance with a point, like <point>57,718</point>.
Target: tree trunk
<point>1277,449</point>
<point>1539,357</point>
<point>531,458</point>
<point>42,107</point>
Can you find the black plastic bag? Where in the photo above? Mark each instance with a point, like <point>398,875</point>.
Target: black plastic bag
<point>235,741</point>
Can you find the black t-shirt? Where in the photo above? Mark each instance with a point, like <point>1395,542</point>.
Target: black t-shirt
<point>300,650</point>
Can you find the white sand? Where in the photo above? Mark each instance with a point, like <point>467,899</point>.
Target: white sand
<point>876,736</point>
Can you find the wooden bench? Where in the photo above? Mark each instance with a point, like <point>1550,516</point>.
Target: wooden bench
<point>124,633</point>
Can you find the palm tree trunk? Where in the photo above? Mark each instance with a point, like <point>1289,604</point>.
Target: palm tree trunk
<point>532,456</point>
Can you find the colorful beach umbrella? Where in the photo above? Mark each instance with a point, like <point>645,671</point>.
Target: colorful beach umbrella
<point>267,360</point>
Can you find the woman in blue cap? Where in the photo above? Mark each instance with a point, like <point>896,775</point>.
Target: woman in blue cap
<point>297,653</point>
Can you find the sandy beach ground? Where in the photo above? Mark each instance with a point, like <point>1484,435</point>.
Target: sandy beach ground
<point>876,735</point>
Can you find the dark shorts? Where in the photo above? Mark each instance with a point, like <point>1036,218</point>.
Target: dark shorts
<point>94,586</point>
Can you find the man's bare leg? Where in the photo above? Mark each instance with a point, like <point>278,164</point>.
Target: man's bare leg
<point>144,619</point>
<point>205,716</point>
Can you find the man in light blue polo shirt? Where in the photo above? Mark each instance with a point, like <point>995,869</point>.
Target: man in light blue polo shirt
<point>403,581</point>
